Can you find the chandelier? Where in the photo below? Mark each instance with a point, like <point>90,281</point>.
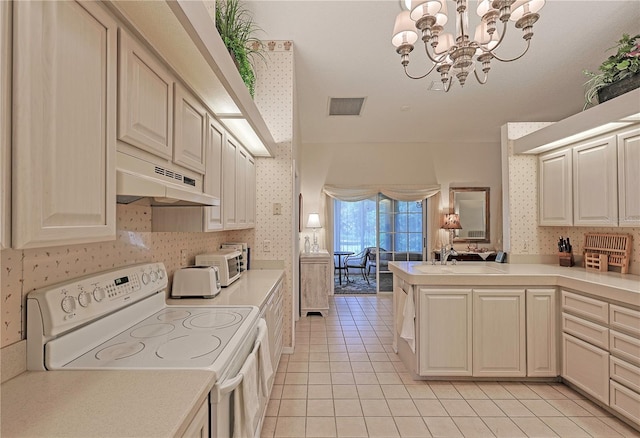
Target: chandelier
<point>459,55</point>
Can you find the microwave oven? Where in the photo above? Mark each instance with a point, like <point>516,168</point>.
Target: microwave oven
<point>226,260</point>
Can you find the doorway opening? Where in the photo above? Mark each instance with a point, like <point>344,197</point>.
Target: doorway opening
<point>368,234</point>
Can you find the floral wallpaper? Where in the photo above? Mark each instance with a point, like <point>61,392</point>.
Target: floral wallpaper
<point>26,270</point>
<point>274,98</point>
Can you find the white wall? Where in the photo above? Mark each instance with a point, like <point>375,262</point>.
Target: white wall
<point>459,165</point>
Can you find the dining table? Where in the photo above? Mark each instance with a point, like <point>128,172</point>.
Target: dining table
<point>340,265</point>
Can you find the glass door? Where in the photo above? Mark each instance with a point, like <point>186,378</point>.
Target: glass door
<point>401,236</point>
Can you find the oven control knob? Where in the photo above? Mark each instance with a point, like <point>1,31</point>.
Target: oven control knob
<point>160,274</point>
<point>68,304</point>
<point>99,294</point>
<point>154,276</point>
<point>145,278</point>
<point>84,299</point>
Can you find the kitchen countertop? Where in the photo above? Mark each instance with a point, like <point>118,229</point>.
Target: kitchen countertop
<point>149,403</point>
<point>624,288</point>
<point>252,288</point>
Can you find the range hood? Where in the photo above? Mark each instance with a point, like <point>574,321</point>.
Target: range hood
<point>165,185</point>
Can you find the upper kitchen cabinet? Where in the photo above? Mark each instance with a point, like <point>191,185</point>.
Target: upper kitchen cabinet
<point>239,186</point>
<point>629,178</point>
<point>595,184</point>
<point>190,130</point>
<point>5,124</point>
<point>64,123</point>
<point>555,189</point>
<point>145,116</point>
<point>200,219</point>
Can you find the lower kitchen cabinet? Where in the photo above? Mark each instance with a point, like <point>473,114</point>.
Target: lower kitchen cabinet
<point>316,279</point>
<point>542,347</point>
<point>499,342</point>
<point>586,366</point>
<point>445,332</point>
<point>274,316</point>
<point>199,426</point>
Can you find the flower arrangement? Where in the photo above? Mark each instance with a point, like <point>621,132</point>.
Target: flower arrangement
<point>625,63</point>
<point>237,29</point>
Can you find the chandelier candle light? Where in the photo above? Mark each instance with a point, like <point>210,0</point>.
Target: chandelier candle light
<point>314,222</point>
<point>458,55</point>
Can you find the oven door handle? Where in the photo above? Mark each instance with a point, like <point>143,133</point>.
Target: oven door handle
<point>231,384</point>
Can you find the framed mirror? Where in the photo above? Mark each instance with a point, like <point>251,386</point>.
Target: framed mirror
<point>472,205</point>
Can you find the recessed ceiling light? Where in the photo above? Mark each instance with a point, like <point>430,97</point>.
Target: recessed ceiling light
<point>405,108</point>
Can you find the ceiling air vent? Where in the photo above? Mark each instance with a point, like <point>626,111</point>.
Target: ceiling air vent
<point>346,106</point>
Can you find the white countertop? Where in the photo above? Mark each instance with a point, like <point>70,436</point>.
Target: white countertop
<point>150,403</point>
<point>624,288</point>
<point>252,288</point>
<point>131,403</point>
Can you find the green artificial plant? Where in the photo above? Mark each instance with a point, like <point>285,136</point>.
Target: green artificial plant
<point>623,64</point>
<point>237,29</point>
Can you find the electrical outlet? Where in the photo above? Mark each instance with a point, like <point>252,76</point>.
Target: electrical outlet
<point>266,246</point>
<point>277,208</point>
<point>183,257</point>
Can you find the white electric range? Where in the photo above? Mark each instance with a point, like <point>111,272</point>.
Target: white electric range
<point>119,320</point>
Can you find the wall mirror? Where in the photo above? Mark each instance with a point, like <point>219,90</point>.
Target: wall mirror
<point>472,204</point>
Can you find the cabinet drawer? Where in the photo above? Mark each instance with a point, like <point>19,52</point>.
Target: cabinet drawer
<point>595,310</point>
<point>626,320</point>
<point>587,331</point>
<point>625,373</point>
<point>586,366</point>
<point>625,347</point>
<point>625,401</point>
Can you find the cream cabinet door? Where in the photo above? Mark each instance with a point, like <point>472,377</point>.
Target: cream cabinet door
<point>190,130</point>
<point>316,277</point>
<point>5,124</point>
<point>555,203</point>
<point>229,171</point>
<point>444,332</point>
<point>595,183</point>
<point>586,366</point>
<point>629,178</point>
<point>145,112</point>
<point>64,109</point>
<point>241,187</point>
<point>213,176</point>
<point>250,190</point>
<point>499,342</point>
<point>199,426</point>
<point>542,348</point>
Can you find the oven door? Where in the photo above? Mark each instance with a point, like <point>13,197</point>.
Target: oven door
<point>226,406</point>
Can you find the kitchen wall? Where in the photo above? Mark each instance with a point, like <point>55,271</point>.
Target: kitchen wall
<point>449,165</point>
<point>528,241</point>
<point>275,176</point>
<point>27,270</point>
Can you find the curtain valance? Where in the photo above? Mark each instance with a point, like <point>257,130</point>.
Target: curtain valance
<point>407,193</point>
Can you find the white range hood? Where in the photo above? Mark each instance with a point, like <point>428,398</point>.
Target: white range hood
<point>165,185</point>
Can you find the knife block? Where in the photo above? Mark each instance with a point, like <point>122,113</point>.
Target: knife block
<point>565,259</point>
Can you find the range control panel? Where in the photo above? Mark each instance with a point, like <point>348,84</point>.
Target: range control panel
<point>69,304</point>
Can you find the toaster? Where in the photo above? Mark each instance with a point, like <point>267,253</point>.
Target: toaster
<point>196,281</point>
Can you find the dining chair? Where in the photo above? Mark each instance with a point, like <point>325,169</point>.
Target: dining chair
<point>358,261</point>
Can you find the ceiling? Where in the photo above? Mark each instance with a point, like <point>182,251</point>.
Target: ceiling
<point>343,49</point>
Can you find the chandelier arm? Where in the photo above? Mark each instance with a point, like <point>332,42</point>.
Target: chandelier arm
<point>435,59</point>
<point>502,35</point>
<point>513,59</point>
<point>419,77</point>
<point>447,85</point>
<point>481,81</point>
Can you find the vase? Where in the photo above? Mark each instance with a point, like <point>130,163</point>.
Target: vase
<point>618,88</point>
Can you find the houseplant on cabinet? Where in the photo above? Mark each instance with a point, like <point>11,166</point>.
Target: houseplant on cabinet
<point>237,29</point>
<point>619,73</point>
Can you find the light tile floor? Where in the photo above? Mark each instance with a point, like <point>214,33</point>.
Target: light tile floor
<point>343,380</point>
